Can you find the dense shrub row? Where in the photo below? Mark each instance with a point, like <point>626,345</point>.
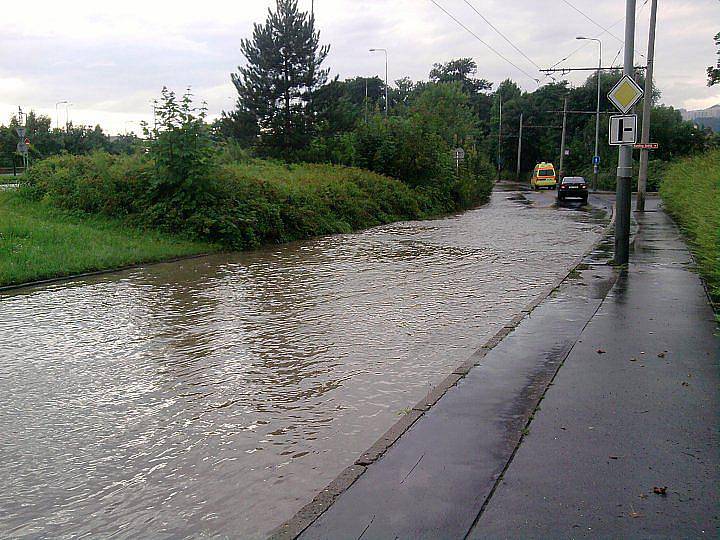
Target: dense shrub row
<point>691,193</point>
<point>242,202</point>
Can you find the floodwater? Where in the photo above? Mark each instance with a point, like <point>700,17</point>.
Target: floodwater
<point>216,396</point>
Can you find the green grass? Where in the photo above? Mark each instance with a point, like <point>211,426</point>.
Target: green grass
<point>691,193</point>
<point>39,242</point>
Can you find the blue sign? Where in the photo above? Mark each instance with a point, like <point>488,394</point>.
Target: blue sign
<point>596,160</point>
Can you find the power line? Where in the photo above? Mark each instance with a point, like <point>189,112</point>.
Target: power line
<point>485,43</point>
<point>607,30</point>
<point>491,25</point>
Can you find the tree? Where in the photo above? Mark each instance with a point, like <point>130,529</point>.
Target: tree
<point>714,72</point>
<point>282,74</point>
<point>463,71</point>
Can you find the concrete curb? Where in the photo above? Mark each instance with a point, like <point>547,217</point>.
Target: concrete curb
<point>70,277</point>
<point>292,528</point>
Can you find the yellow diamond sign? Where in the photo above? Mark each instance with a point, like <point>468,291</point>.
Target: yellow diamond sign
<point>625,94</point>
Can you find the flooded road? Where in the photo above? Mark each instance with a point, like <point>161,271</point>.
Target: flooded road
<point>216,396</point>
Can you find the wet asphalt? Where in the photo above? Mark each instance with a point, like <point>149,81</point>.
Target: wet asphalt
<point>624,444</point>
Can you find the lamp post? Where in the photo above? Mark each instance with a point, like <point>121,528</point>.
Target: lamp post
<point>386,77</point>
<point>596,166</point>
<point>57,115</point>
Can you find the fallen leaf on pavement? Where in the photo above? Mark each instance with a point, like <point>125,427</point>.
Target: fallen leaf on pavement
<point>635,514</point>
<point>661,355</point>
<point>633,359</point>
<point>660,490</point>
<point>600,351</point>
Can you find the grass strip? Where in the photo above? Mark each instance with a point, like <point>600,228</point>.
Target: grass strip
<point>691,193</point>
<point>38,241</point>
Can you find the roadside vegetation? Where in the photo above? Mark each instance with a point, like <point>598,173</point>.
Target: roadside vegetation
<point>38,241</point>
<point>691,193</point>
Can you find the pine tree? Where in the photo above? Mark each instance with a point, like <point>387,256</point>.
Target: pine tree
<point>282,73</point>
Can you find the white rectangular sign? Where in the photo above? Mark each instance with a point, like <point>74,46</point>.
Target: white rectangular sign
<point>623,130</point>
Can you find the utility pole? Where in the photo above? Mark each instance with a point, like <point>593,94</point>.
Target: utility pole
<point>519,152</point>
<point>561,172</point>
<point>499,137</point>
<point>624,170</point>
<point>366,100</point>
<point>596,166</point>
<point>647,106</point>
<point>387,103</point>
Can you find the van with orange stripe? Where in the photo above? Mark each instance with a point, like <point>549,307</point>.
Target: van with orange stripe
<point>544,176</point>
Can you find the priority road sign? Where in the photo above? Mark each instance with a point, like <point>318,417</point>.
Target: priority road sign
<point>623,130</point>
<point>625,94</point>
<point>596,160</point>
<point>22,148</point>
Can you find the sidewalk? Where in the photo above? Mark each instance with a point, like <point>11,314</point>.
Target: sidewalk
<point>629,389</point>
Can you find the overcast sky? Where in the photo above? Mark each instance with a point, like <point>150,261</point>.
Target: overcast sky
<point>110,59</point>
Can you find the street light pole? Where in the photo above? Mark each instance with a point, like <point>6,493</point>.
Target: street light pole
<point>624,170</point>
<point>519,151</point>
<point>57,115</point>
<point>596,166</point>
<point>647,105</point>
<point>499,138</point>
<point>386,77</point>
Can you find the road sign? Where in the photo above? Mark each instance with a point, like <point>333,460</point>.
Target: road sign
<point>20,131</point>
<point>623,130</point>
<point>22,148</point>
<point>625,94</point>
<point>459,154</point>
<point>26,141</point>
<point>647,146</point>
<point>596,160</point>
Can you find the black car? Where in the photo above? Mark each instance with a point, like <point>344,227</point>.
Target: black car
<point>573,187</point>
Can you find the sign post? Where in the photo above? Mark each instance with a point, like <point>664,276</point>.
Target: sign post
<point>624,95</point>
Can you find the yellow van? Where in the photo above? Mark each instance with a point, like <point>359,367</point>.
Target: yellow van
<point>544,176</point>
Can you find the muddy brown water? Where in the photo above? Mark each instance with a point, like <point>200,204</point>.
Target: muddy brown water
<point>216,396</point>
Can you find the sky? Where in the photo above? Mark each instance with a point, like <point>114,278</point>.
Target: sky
<point>109,60</point>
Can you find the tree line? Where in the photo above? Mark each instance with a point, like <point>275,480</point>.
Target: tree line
<point>287,108</point>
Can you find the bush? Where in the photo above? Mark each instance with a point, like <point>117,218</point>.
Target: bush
<point>691,193</point>
<point>250,203</point>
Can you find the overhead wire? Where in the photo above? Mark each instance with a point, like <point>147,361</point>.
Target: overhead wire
<point>491,25</point>
<point>586,43</point>
<point>498,53</point>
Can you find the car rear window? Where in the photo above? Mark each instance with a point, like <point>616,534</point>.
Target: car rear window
<point>546,172</point>
<point>574,180</point>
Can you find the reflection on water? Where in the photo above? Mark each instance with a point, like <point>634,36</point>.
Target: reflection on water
<point>216,396</point>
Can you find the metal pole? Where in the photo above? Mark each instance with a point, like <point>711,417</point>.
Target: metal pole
<point>624,170</point>
<point>366,100</point>
<point>596,166</point>
<point>647,106</point>
<point>519,152</point>
<point>499,138</point>
<point>387,103</point>
<point>561,172</point>
<point>386,77</point>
